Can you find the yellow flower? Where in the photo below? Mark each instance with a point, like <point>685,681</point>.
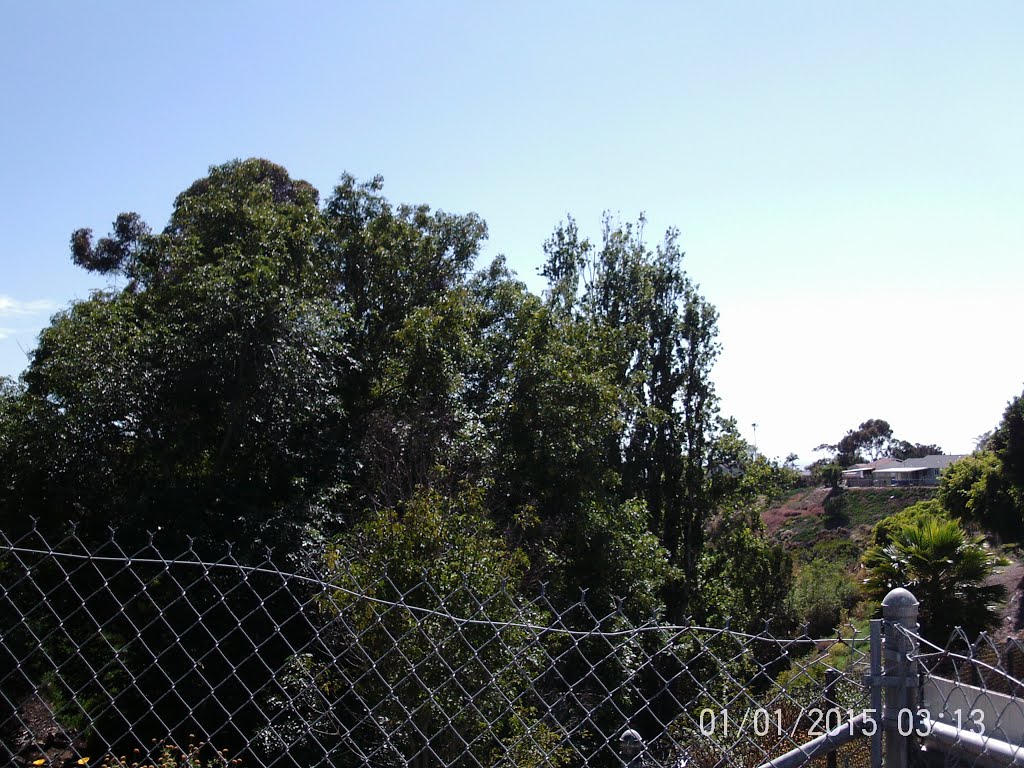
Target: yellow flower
<point>83,761</point>
<point>40,761</point>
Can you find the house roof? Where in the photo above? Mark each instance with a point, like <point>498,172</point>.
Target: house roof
<point>933,462</point>
<point>883,463</point>
<point>910,465</point>
<point>877,464</point>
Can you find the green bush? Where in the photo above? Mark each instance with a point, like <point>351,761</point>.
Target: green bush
<point>835,508</point>
<point>884,530</point>
<point>822,590</point>
<point>834,548</point>
<point>944,567</point>
<point>976,488</point>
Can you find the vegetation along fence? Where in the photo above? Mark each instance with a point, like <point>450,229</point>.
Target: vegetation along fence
<point>118,658</point>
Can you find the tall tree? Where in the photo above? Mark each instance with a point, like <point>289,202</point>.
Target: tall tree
<point>1008,443</point>
<point>902,450</point>
<point>874,440</point>
<point>260,350</point>
<point>867,442</point>
<point>659,338</point>
<point>273,363</point>
<point>207,390</point>
<point>402,272</point>
<point>976,489</point>
<point>276,370</point>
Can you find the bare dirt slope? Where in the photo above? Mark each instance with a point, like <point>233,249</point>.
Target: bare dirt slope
<point>1012,615</point>
<point>808,502</point>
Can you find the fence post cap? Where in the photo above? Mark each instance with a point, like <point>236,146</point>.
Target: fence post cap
<point>631,743</point>
<point>900,606</point>
<point>900,598</point>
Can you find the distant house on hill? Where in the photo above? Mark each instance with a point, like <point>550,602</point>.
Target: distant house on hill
<point>864,474</point>
<point>889,472</point>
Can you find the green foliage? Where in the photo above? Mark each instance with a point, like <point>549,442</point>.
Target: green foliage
<point>868,441</point>
<point>977,489</point>
<point>823,589</point>
<point>617,556</point>
<point>531,743</point>
<point>442,557</point>
<point>871,441</point>
<point>746,478</point>
<point>206,390</point>
<point>835,549</point>
<point>866,506</point>
<point>277,370</point>
<point>657,337</point>
<point>945,568</point>
<point>826,472</point>
<point>1008,444</point>
<point>987,487</point>
<point>923,511</point>
<point>902,450</point>
<point>835,507</point>
<point>745,577</point>
<point>556,421</point>
<point>862,509</point>
<point>806,678</point>
<point>432,543</point>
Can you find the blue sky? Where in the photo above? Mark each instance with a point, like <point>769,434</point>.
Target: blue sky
<point>848,180</point>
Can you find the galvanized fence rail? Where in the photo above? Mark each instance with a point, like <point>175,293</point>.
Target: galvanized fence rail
<point>970,710</point>
<point>118,657</point>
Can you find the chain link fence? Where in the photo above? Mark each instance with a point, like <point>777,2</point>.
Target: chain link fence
<point>970,711</point>
<point>119,657</point>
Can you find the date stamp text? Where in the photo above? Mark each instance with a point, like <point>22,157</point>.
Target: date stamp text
<point>818,721</point>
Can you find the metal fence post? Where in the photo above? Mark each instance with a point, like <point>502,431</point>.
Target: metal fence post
<point>831,678</point>
<point>631,745</point>
<point>876,692</point>
<point>899,609</point>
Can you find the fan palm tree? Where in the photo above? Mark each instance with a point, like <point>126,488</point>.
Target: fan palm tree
<point>945,568</point>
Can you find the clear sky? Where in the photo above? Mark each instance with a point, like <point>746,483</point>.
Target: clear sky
<point>848,178</point>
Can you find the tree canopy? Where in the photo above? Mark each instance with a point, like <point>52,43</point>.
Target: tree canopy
<point>871,441</point>
<point>987,487</point>
<point>1008,443</point>
<point>276,369</point>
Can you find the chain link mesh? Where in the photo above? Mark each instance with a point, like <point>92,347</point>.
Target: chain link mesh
<point>119,658</point>
<point>969,706</point>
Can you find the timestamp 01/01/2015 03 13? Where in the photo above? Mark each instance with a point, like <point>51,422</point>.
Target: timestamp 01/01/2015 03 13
<point>819,721</point>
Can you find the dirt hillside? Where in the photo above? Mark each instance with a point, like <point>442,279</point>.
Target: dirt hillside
<point>809,501</point>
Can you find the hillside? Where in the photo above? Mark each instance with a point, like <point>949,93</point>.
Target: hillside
<point>802,526</point>
<point>800,521</point>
